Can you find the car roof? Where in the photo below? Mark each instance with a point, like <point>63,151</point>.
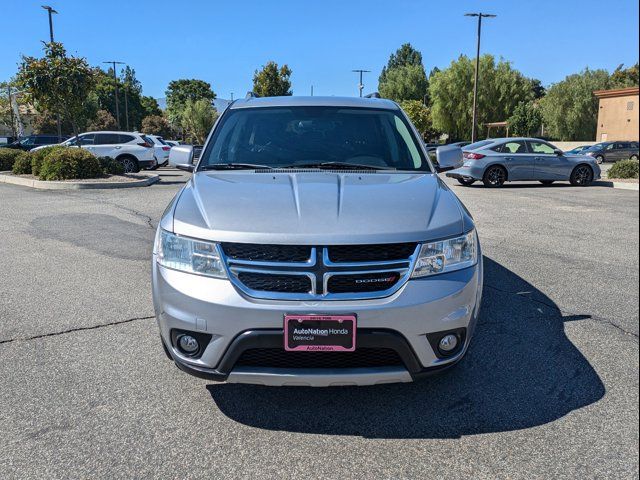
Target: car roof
<point>112,131</point>
<point>301,101</point>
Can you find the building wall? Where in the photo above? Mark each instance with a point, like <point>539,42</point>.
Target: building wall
<point>618,118</point>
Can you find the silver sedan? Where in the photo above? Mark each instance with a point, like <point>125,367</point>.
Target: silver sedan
<point>499,160</point>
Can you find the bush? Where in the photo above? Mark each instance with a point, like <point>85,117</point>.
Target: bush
<point>22,164</point>
<point>69,163</point>
<point>37,157</point>
<point>111,166</point>
<point>8,157</point>
<point>624,169</point>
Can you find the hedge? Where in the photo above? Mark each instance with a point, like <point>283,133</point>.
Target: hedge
<point>624,169</point>
<point>37,157</point>
<point>69,163</point>
<point>22,164</point>
<point>8,157</point>
<point>111,166</point>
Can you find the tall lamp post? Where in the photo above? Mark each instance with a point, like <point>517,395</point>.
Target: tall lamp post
<point>361,85</point>
<point>51,12</point>
<point>115,79</point>
<point>480,16</point>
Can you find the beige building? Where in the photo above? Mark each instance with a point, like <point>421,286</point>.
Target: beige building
<point>618,114</point>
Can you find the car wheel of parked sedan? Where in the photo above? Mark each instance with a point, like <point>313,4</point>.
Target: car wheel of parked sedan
<point>466,181</point>
<point>633,157</point>
<point>494,176</point>
<point>582,176</point>
<point>600,159</point>
<point>546,183</point>
<point>130,164</point>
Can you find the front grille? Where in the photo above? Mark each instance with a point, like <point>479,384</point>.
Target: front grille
<point>368,282</point>
<point>267,253</point>
<point>279,358</point>
<point>371,253</point>
<point>267,282</point>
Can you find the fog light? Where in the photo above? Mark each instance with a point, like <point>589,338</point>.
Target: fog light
<point>448,343</point>
<point>188,344</point>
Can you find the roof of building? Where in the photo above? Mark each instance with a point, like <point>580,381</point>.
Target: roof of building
<point>292,101</point>
<point>616,92</point>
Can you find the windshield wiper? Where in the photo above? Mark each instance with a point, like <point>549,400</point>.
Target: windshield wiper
<point>338,166</point>
<point>235,166</point>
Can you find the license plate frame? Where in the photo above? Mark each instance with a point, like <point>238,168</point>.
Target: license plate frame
<point>340,335</point>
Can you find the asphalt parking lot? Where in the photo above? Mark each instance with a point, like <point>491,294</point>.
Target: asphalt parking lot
<point>548,389</point>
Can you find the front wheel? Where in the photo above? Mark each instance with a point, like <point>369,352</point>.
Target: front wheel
<point>600,159</point>
<point>634,157</point>
<point>581,176</point>
<point>466,181</point>
<point>494,177</point>
<point>546,183</point>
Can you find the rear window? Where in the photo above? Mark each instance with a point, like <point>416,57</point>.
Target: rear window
<point>479,144</point>
<point>161,140</point>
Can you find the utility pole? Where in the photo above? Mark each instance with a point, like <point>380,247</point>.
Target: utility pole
<point>126,107</point>
<point>232,96</point>
<point>480,16</point>
<point>51,11</point>
<point>13,122</point>
<point>361,85</point>
<point>312,90</point>
<point>115,79</point>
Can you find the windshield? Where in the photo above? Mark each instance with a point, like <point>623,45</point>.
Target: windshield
<point>280,137</point>
<point>597,146</point>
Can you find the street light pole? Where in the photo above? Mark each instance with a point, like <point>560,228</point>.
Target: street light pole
<point>361,85</point>
<point>475,83</point>
<point>115,79</point>
<point>51,11</point>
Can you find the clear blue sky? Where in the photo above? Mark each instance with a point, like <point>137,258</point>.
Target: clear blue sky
<point>223,42</point>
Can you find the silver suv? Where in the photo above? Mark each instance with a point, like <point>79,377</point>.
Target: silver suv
<point>315,245</point>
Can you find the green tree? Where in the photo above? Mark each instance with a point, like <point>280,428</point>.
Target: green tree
<point>7,117</point>
<point>526,119</point>
<point>197,119</point>
<point>150,106</point>
<point>102,121</point>
<point>569,109</point>
<point>157,125</point>
<point>625,78</point>
<point>421,117</point>
<point>408,82</point>
<point>272,81</point>
<point>57,82</point>
<point>180,92</point>
<point>404,56</point>
<point>500,90</point>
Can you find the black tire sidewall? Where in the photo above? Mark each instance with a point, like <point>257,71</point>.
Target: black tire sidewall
<point>486,181</point>
<point>573,173</point>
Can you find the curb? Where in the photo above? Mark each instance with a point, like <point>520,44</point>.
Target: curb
<point>7,177</point>
<point>620,185</point>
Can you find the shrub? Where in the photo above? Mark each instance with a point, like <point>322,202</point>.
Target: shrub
<point>8,157</point>
<point>22,164</point>
<point>111,166</point>
<point>37,157</point>
<point>624,169</point>
<point>69,163</point>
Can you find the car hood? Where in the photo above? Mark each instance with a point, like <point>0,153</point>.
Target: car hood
<point>320,208</point>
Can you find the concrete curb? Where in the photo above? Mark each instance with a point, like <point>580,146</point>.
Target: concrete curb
<point>8,177</point>
<point>620,185</point>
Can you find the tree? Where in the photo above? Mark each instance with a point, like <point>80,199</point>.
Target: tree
<point>157,125</point>
<point>272,81</point>
<point>500,90</point>
<point>537,88</point>
<point>45,122</point>
<point>7,117</point>
<point>57,82</point>
<point>180,92</point>
<point>408,82</point>
<point>103,121</point>
<point>569,109</point>
<point>625,78</point>
<point>150,106</point>
<point>526,119</point>
<point>197,119</point>
<point>421,117</point>
<point>404,56</point>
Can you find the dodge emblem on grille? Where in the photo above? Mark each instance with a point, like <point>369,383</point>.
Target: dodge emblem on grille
<point>375,280</point>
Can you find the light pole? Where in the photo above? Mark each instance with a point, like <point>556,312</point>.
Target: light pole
<point>361,85</point>
<point>51,11</point>
<point>480,16</point>
<point>115,79</point>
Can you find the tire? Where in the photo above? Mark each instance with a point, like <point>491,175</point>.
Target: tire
<point>581,176</point>
<point>466,181</point>
<point>599,159</point>
<point>494,176</point>
<point>129,163</point>
<point>546,183</point>
<point>634,157</point>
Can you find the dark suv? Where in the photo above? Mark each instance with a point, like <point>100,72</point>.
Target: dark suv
<point>613,151</point>
<point>33,141</point>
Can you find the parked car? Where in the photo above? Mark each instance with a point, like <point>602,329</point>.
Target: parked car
<point>160,149</point>
<point>134,150</point>
<point>315,245</point>
<point>33,141</point>
<point>577,150</point>
<point>502,160</point>
<point>172,143</point>
<point>613,151</point>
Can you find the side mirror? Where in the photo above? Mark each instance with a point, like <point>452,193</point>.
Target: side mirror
<point>449,158</point>
<point>558,152</point>
<point>181,157</point>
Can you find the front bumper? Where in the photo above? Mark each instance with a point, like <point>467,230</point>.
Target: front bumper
<point>237,322</point>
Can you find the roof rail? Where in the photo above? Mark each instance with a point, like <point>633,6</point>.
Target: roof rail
<point>373,95</point>
<point>251,95</point>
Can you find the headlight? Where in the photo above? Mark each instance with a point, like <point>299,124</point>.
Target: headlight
<point>447,255</point>
<point>189,255</point>
<point>589,153</point>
